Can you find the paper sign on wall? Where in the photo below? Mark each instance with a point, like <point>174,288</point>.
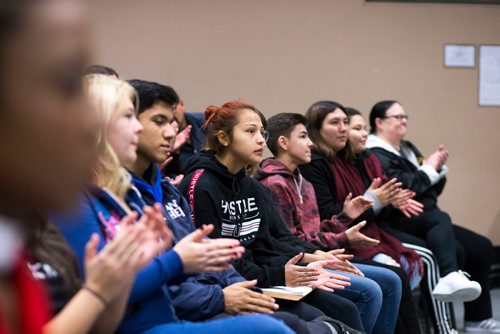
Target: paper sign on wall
<point>459,55</point>
<point>489,75</point>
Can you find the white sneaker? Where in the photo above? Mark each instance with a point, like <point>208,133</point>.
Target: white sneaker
<point>456,287</point>
<point>487,326</point>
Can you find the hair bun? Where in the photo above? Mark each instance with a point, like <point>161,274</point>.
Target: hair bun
<point>210,113</point>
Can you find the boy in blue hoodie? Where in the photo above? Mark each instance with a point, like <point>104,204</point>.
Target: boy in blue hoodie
<point>205,295</point>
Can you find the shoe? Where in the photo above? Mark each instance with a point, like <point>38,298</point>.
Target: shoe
<point>487,326</point>
<point>456,287</point>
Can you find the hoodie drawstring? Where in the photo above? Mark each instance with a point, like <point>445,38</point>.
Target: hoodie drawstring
<point>299,187</point>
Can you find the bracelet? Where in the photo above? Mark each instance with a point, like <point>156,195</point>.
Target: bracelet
<point>97,295</point>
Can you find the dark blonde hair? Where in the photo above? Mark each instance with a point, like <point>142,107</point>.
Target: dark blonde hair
<point>108,97</point>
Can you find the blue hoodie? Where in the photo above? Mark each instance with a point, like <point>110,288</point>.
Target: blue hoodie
<point>198,297</point>
<point>149,302</point>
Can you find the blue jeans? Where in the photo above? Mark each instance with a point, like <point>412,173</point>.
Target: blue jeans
<point>391,286</point>
<point>377,296</point>
<point>245,324</point>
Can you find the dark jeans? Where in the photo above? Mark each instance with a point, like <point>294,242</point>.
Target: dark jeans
<point>458,249</point>
<point>407,319</point>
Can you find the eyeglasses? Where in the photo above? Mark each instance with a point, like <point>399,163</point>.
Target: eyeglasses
<point>399,117</point>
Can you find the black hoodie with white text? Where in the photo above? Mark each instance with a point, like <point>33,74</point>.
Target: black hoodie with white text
<point>239,207</point>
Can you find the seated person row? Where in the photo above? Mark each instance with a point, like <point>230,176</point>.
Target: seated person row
<point>455,247</point>
<point>207,295</point>
<point>219,191</point>
<point>337,168</point>
<point>149,307</point>
<point>296,203</point>
<point>160,103</point>
<point>441,315</point>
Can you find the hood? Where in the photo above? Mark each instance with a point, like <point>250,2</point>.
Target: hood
<point>374,141</point>
<point>150,182</point>
<point>271,166</point>
<point>206,160</point>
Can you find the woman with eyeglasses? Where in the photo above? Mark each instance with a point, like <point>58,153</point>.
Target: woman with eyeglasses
<point>455,247</point>
<point>365,161</point>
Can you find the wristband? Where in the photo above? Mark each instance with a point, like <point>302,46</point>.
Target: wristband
<point>97,295</point>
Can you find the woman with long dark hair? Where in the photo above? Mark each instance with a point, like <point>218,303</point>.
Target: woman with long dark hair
<point>333,178</point>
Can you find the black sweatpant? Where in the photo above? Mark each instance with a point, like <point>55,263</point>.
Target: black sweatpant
<point>300,326</point>
<point>476,254</point>
<point>440,313</point>
<point>335,307</point>
<point>435,227</point>
<point>293,321</point>
<point>303,310</point>
<point>456,248</point>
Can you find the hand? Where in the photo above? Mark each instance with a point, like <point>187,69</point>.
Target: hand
<point>386,192</point>
<point>111,270</point>
<point>412,208</point>
<point>200,254</point>
<point>239,299</point>
<point>178,179</point>
<point>434,160</point>
<point>298,275</point>
<point>444,153</point>
<point>401,198</point>
<point>161,236</point>
<point>358,239</point>
<point>339,261</point>
<point>328,281</point>
<point>166,162</point>
<point>438,158</point>
<point>182,138</point>
<point>353,208</point>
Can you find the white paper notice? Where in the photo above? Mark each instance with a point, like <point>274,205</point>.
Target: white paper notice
<point>489,75</point>
<point>459,55</point>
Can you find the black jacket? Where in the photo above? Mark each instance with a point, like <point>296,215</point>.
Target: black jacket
<point>319,172</point>
<point>412,177</point>
<point>239,207</point>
